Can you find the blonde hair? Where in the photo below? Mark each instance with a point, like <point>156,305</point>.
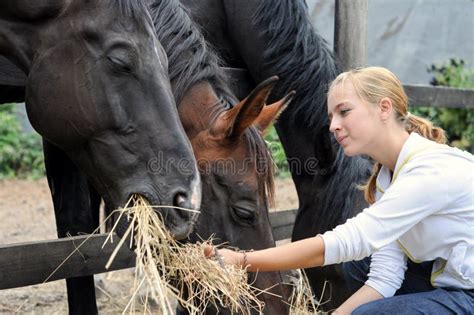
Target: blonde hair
<point>374,83</point>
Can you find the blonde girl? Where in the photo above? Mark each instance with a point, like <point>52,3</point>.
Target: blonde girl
<point>421,213</point>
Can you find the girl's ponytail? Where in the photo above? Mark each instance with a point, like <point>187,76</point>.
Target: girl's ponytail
<point>424,128</point>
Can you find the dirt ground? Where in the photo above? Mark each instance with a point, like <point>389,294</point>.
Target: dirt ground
<point>26,214</point>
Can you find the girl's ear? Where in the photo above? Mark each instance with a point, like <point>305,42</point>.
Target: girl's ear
<point>385,108</point>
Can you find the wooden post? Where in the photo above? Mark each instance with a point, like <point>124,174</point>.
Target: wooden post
<point>350,33</point>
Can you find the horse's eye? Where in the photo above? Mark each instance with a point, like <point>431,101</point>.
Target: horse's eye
<point>244,216</point>
<point>122,55</point>
<point>121,63</point>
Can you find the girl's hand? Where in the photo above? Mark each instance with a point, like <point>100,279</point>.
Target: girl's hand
<point>228,257</point>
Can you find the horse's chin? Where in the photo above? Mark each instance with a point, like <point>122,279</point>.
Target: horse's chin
<point>182,231</point>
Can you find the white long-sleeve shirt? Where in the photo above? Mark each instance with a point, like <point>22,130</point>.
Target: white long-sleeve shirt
<point>425,212</point>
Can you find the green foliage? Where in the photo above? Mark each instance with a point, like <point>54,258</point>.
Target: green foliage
<point>457,122</point>
<point>21,154</point>
<point>453,73</point>
<point>278,154</point>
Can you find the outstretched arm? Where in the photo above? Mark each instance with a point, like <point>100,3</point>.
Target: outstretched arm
<point>301,254</point>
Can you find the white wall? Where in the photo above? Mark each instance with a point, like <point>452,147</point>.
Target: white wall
<point>407,36</point>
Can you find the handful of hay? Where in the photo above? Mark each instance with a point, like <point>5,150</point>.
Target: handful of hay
<point>166,269</point>
<point>302,300</point>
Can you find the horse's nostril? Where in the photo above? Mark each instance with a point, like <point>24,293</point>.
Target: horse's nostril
<point>181,200</point>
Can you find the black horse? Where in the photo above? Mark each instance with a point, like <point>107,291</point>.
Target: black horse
<point>98,93</point>
<point>276,38</point>
<point>235,204</point>
<point>235,165</point>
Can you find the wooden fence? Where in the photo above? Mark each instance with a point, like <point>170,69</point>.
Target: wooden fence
<point>38,262</point>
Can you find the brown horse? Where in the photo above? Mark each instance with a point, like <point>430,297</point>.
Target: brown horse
<point>236,173</point>
<point>268,38</point>
<point>235,165</point>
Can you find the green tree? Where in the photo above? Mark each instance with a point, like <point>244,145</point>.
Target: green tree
<point>278,154</point>
<point>457,122</point>
<point>21,154</point>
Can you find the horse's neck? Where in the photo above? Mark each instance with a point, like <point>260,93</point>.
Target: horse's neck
<point>198,107</point>
<point>20,25</point>
<point>32,10</point>
<point>17,48</point>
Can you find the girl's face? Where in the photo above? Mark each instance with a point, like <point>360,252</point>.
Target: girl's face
<point>354,122</point>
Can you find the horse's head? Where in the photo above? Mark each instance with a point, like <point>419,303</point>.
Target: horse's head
<point>98,88</point>
<point>235,165</point>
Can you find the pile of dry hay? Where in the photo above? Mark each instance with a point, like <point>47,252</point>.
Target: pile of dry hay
<point>167,270</point>
<point>302,300</point>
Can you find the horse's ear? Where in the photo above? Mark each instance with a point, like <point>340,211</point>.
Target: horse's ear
<point>233,122</point>
<point>271,112</point>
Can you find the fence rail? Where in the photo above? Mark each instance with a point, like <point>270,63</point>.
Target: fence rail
<point>439,96</point>
<point>37,262</point>
<point>43,261</point>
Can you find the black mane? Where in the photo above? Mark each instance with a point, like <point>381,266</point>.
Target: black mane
<point>305,62</point>
<point>190,57</point>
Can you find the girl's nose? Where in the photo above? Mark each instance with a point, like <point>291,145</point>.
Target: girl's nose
<point>334,125</point>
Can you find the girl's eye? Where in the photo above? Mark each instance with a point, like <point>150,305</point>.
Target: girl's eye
<point>344,111</point>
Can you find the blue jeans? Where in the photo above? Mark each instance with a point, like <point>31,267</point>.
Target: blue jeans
<point>416,295</point>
